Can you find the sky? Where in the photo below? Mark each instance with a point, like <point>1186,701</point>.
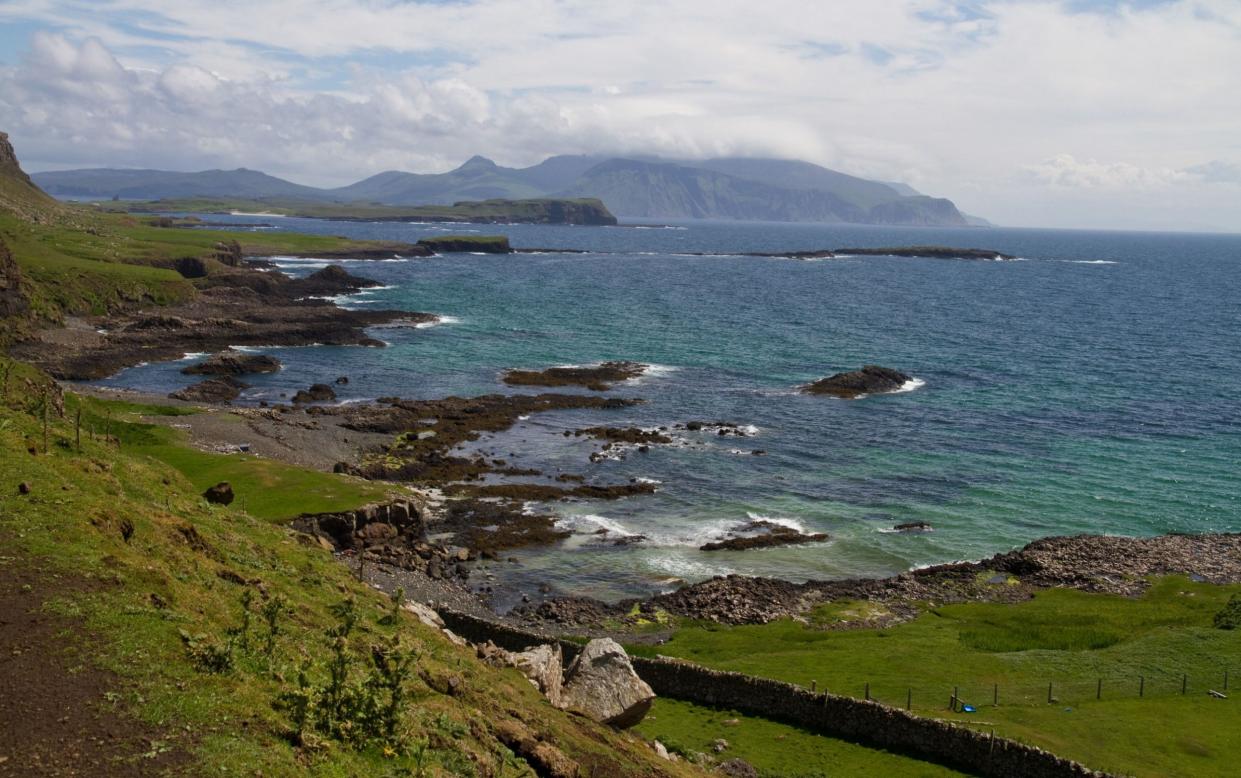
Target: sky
<point>1105,114</point>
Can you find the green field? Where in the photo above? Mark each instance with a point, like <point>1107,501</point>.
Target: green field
<point>775,749</point>
<point>1083,645</point>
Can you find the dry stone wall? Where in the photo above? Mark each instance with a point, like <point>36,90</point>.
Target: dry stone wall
<point>860,721</point>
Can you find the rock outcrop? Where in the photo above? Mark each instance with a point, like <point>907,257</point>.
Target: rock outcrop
<point>213,390</point>
<point>601,684</point>
<point>12,293</point>
<point>871,379</point>
<point>234,363</point>
<point>220,494</point>
<point>317,393</point>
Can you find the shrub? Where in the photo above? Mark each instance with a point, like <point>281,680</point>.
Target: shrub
<point>1230,616</point>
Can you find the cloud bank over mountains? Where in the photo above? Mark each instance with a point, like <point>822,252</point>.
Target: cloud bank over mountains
<point>1110,114</point>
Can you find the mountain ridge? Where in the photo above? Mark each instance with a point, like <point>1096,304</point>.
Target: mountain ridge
<point>737,188</point>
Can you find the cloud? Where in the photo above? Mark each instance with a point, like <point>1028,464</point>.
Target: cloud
<point>957,97</point>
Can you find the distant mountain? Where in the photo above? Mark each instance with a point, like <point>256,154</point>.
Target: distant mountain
<point>725,188</point>
<point>157,184</point>
<point>667,190</point>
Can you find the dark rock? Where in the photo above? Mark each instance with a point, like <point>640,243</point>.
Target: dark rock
<point>213,390</point>
<point>927,252</point>
<point>597,378</point>
<point>342,381</point>
<point>913,526</point>
<point>13,300</point>
<point>220,494</point>
<point>331,280</point>
<point>23,488</point>
<point>234,363</point>
<point>770,534</point>
<point>315,394</point>
<point>871,379</point>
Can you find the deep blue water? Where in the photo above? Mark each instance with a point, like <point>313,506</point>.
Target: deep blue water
<point>1091,387</point>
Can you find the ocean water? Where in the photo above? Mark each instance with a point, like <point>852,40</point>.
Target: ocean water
<point>1091,386</point>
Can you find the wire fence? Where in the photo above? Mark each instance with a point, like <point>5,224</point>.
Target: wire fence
<point>973,696</point>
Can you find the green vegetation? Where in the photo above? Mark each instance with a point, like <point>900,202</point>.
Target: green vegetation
<point>582,210</point>
<point>219,622</point>
<point>1229,616</point>
<point>488,244</point>
<point>774,749</point>
<point>265,488</point>
<point>1082,645</point>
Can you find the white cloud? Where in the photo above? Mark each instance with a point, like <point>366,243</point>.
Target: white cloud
<point>1136,99</point>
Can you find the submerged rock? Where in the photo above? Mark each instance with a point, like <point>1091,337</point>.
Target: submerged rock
<point>601,684</point>
<point>871,379</point>
<point>770,534</point>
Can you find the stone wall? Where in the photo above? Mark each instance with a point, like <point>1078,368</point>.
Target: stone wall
<point>850,719</point>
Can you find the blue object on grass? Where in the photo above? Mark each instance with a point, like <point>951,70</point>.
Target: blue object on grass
<point>967,708</point>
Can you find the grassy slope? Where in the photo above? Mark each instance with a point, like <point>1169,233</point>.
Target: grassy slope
<point>166,579</point>
<point>1068,638</point>
<point>265,488</point>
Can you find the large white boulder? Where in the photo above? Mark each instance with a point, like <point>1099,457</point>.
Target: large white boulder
<point>601,684</point>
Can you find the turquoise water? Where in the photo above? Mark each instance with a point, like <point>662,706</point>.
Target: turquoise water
<point>1090,387</point>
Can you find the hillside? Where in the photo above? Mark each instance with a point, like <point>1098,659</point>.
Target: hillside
<point>106,183</point>
<point>722,188</point>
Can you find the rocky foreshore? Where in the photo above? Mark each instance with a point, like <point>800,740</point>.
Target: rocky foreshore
<point>1093,563</point>
<point>234,307</point>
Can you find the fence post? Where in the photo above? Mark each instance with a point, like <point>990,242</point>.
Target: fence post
<point>1049,694</point>
<point>1184,683</point>
<point>909,698</point>
<point>868,691</point>
<point>1141,686</point>
<point>1098,692</point>
<point>814,686</point>
<point>995,695</point>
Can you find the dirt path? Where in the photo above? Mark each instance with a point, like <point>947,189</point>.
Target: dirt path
<point>56,714</point>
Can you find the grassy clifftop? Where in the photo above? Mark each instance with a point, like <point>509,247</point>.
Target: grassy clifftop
<point>176,595</point>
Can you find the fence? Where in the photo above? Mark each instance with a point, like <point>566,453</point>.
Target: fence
<point>864,721</point>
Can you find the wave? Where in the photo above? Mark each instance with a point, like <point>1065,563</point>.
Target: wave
<point>593,524</point>
<point>1090,261</point>
<point>911,385</point>
<point>439,320</point>
<point>783,521</point>
<point>192,355</point>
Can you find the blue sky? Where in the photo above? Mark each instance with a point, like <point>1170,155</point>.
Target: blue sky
<point>1076,113</point>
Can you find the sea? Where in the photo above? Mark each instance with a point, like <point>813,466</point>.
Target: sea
<point>1089,386</point>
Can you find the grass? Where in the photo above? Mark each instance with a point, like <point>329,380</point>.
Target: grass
<point>164,562</point>
<point>1069,639</point>
<point>774,749</point>
<point>265,488</point>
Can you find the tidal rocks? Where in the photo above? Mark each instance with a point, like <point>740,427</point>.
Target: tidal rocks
<point>602,685</point>
<point>871,379</point>
<point>317,393</point>
<point>220,494</point>
<point>913,526</point>
<point>632,435</point>
<point>213,390</point>
<point>331,280</point>
<point>543,665</point>
<point>234,363</point>
<point>927,252</point>
<point>598,378</point>
<point>768,534</point>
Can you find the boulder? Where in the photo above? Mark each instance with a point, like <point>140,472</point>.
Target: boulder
<point>601,684</point>
<point>913,526</point>
<point>544,666</point>
<point>425,613</point>
<point>220,494</point>
<point>317,393</point>
<point>213,390</point>
<point>871,379</point>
